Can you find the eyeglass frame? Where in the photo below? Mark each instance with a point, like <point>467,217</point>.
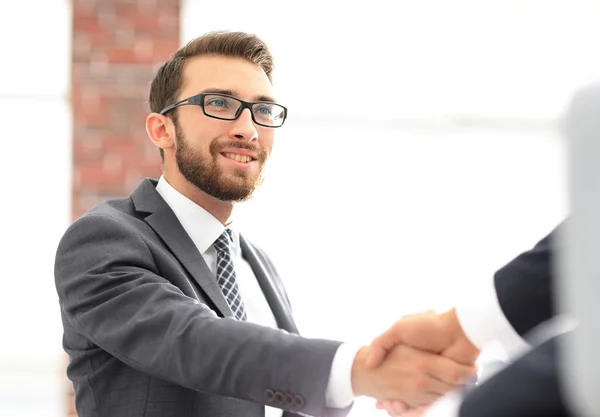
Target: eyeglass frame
<point>198,100</point>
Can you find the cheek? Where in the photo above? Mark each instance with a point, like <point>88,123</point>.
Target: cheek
<point>267,140</point>
<point>201,136</point>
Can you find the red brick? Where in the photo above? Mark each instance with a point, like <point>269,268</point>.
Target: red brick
<point>86,23</point>
<point>117,48</point>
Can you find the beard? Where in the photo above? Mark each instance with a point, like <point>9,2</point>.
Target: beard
<point>201,169</point>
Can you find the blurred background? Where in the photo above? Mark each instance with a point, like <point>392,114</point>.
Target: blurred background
<point>422,151</point>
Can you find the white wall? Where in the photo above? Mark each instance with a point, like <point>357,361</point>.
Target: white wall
<point>422,151</point>
<point>446,166</point>
<point>35,40</point>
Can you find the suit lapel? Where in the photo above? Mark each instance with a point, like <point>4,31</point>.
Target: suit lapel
<point>164,222</point>
<point>276,300</point>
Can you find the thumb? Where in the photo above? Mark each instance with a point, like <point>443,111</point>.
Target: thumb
<point>382,344</point>
<point>376,356</point>
<point>416,412</point>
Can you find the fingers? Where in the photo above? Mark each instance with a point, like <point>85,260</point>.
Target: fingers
<point>399,409</point>
<point>462,350</point>
<point>382,344</point>
<point>395,335</point>
<point>424,398</point>
<point>415,412</point>
<point>393,408</point>
<point>449,372</point>
<point>419,378</point>
<point>425,331</point>
<point>410,375</point>
<point>376,355</point>
<point>430,388</point>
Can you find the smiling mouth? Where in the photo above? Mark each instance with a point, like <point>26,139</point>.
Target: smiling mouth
<point>238,158</point>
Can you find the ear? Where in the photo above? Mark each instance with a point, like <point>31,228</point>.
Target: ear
<point>160,130</point>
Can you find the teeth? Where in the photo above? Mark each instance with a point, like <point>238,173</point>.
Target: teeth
<point>238,157</point>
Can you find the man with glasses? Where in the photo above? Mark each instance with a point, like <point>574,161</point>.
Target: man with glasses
<point>168,310</point>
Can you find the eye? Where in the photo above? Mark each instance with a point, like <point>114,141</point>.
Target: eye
<point>264,110</point>
<point>217,102</point>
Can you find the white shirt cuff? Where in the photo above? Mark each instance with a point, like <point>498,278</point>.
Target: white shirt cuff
<point>339,389</point>
<point>483,321</point>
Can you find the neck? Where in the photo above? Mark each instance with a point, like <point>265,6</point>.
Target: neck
<point>221,210</point>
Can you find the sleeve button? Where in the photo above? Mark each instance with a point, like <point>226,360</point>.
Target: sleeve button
<point>269,395</point>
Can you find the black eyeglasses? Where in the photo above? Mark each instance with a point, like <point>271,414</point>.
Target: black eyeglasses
<point>226,107</point>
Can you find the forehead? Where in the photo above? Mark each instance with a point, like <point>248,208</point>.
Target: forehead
<point>226,73</point>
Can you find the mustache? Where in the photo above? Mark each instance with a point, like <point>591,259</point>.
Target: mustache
<point>215,147</point>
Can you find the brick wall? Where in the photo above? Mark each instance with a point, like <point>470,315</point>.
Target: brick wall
<point>117,47</point>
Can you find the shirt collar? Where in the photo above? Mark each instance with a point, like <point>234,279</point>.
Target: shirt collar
<point>202,227</point>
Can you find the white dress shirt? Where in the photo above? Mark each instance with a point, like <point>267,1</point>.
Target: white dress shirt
<point>203,228</point>
<point>484,323</point>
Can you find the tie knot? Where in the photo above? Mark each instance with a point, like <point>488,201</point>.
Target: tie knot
<point>223,242</point>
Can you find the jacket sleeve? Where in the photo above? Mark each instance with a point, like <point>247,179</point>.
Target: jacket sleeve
<point>111,292</point>
<point>525,285</point>
<point>527,387</point>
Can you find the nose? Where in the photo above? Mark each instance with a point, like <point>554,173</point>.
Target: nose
<point>243,127</point>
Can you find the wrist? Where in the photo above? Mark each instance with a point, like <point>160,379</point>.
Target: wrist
<point>461,340</point>
<point>359,372</point>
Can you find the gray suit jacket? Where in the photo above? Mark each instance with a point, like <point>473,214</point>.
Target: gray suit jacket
<point>149,333</point>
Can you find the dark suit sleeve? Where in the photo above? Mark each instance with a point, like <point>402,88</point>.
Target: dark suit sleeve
<point>527,387</point>
<point>111,293</point>
<point>268,265</point>
<point>524,286</point>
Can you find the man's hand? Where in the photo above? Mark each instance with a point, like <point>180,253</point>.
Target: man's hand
<point>398,408</point>
<point>410,375</point>
<point>435,333</point>
<point>429,331</point>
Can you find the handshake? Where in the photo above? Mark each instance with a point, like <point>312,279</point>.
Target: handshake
<point>420,358</point>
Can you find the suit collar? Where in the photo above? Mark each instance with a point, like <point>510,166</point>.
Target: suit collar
<point>273,293</point>
<point>202,227</point>
<point>162,219</point>
<point>164,222</point>
<point>145,198</point>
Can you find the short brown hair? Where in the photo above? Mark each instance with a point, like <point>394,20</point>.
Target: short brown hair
<point>169,79</point>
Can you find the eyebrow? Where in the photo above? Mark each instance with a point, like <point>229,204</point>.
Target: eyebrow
<point>237,94</point>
